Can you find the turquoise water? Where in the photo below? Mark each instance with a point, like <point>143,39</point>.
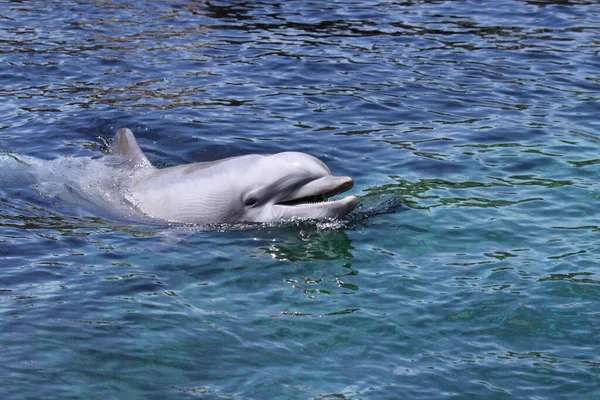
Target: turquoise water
<point>470,269</point>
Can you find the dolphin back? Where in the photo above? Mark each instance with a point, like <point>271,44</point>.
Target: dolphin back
<point>124,144</point>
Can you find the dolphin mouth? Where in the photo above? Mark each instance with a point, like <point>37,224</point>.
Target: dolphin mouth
<point>324,189</point>
<point>312,199</point>
<point>318,198</point>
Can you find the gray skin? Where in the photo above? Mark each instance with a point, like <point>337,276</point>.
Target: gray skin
<point>251,188</point>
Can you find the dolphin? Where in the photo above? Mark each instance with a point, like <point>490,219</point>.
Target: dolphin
<point>250,188</point>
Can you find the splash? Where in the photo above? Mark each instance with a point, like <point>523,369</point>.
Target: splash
<point>89,184</point>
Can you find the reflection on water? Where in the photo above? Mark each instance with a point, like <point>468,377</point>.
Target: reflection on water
<point>428,193</point>
<point>325,245</point>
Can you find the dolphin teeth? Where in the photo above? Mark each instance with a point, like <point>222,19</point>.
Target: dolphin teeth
<point>304,200</point>
<point>318,197</point>
<point>314,199</point>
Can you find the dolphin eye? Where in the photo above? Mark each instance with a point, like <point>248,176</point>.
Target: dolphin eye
<point>250,201</point>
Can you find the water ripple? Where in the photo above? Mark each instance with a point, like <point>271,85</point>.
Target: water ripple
<point>472,134</point>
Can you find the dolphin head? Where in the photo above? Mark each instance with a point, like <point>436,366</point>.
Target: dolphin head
<point>293,185</point>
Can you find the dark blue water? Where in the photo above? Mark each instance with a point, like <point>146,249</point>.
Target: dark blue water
<point>470,269</point>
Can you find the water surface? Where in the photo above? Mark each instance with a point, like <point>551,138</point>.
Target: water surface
<point>470,270</point>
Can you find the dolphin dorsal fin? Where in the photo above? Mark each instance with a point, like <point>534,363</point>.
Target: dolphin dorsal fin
<point>124,144</point>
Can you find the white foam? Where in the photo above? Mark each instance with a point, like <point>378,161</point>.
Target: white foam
<point>96,184</point>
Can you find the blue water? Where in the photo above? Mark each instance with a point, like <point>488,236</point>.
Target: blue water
<point>470,269</point>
